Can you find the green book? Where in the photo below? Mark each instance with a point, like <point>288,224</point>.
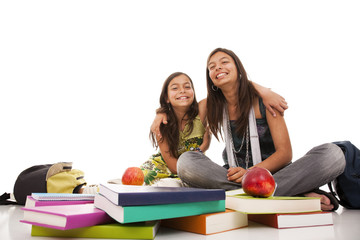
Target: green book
<point>255,205</point>
<point>141,230</point>
<point>140,213</point>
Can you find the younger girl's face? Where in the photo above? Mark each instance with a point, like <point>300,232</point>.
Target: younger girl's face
<point>180,92</point>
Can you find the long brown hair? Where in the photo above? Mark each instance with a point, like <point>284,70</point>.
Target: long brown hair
<point>216,100</point>
<point>170,131</point>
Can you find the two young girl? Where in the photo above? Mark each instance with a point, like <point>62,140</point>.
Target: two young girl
<point>186,128</point>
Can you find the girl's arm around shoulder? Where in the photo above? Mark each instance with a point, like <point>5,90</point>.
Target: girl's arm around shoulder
<point>272,100</point>
<point>159,119</point>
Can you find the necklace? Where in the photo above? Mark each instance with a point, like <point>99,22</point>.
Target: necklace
<point>244,137</point>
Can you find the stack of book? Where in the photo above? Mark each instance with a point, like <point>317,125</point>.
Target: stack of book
<point>189,209</point>
<point>124,211</point>
<point>75,216</point>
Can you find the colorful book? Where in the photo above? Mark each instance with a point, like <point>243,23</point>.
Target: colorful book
<point>210,223</point>
<point>253,205</point>
<point>128,195</point>
<point>31,202</point>
<point>62,196</point>
<point>65,217</point>
<point>293,220</point>
<point>143,230</point>
<point>141,213</point>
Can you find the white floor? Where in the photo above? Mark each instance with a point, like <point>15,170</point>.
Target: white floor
<point>346,226</point>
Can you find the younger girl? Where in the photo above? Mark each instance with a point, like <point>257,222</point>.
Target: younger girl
<point>185,131</point>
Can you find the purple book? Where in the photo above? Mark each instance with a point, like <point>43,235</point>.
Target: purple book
<point>65,217</point>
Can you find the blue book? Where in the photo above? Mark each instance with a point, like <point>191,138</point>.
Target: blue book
<point>130,214</point>
<point>129,195</point>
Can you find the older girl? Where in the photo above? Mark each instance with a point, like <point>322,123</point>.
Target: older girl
<point>231,97</point>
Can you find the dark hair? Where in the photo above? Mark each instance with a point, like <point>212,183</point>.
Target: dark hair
<point>170,131</point>
<point>216,100</point>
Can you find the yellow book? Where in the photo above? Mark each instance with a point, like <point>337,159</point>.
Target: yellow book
<point>141,230</point>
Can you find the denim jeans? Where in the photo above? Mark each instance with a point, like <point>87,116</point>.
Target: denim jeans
<point>319,166</point>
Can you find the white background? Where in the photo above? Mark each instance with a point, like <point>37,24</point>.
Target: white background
<point>80,80</point>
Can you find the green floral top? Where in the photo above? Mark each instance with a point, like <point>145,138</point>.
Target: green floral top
<point>194,140</point>
<point>155,167</point>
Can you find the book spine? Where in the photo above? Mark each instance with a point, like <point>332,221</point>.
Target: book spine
<point>99,231</point>
<point>266,219</point>
<point>195,224</point>
<point>157,212</point>
<point>55,203</point>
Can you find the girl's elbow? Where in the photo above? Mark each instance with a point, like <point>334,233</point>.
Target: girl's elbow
<point>288,156</point>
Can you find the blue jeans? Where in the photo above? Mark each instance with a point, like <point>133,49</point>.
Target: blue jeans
<point>320,165</point>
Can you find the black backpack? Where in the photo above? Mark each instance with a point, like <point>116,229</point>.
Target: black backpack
<point>58,177</point>
<point>346,187</point>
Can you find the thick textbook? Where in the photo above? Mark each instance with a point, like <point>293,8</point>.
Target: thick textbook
<point>128,195</point>
<point>31,202</point>
<point>140,213</point>
<point>293,220</point>
<point>65,217</point>
<point>248,204</point>
<point>62,196</point>
<point>143,230</point>
<point>210,223</point>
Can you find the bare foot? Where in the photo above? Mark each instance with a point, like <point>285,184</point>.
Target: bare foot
<point>325,201</point>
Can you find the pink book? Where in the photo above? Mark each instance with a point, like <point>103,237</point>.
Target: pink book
<point>31,202</point>
<point>65,217</point>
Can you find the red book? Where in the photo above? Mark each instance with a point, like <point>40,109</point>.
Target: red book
<point>65,217</point>
<point>293,220</point>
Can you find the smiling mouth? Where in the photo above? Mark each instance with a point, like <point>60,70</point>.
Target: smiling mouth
<point>182,98</point>
<point>220,75</point>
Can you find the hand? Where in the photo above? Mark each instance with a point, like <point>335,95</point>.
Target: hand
<point>160,118</point>
<point>273,100</point>
<point>236,174</point>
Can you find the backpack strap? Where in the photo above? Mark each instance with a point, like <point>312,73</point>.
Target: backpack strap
<point>5,199</point>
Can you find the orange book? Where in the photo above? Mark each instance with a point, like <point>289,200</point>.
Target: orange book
<point>293,220</point>
<point>208,223</point>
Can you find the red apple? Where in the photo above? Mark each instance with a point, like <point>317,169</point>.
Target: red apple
<point>258,182</point>
<point>133,176</point>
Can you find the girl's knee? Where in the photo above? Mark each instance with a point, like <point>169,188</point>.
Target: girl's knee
<point>189,160</point>
<point>335,157</point>
<point>336,153</point>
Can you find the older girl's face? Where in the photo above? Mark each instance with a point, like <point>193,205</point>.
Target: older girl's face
<point>180,92</point>
<point>222,70</point>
